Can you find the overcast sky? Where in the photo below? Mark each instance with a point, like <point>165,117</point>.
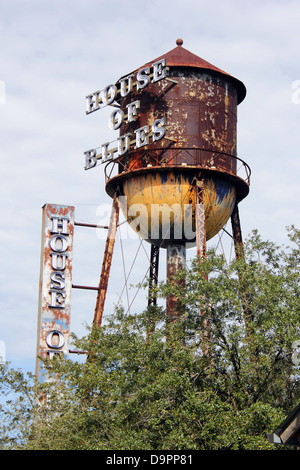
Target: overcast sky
<point>54,53</point>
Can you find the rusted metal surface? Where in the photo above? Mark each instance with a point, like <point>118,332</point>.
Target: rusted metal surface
<point>55,287</point>
<point>81,224</point>
<point>200,110</point>
<point>109,247</point>
<point>181,57</point>
<point>176,261</point>
<point>74,286</point>
<point>197,103</point>
<point>181,158</point>
<point>161,160</point>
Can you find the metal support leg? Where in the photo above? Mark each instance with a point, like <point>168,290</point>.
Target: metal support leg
<point>237,232</point>
<point>110,241</point>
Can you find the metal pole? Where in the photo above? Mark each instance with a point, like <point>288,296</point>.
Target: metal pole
<point>110,241</point>
<point>237,232</point>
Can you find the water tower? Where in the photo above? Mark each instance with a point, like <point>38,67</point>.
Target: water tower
<point>180,190</point>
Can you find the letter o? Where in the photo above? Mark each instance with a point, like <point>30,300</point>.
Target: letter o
<point>58,243</point>
<point>116,119</point>
<point>55,339</point>
<point>108,94</point>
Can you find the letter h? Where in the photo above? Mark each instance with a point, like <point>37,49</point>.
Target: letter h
<point>60,225</point>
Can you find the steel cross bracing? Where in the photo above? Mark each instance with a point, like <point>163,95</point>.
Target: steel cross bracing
<point>153,275</point>
<point>153,280</point>
<point>200,219</point>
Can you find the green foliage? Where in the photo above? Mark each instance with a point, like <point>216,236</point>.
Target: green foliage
<point>221,377</point>
<point>16,405</point>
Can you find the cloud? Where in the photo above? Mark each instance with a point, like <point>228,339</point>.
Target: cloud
<point>55,53</point>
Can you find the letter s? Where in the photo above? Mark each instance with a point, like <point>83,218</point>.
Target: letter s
<point>58,280</point>
<point>158,129</point>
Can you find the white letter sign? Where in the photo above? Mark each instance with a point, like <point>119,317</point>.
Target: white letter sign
<point>112,95</point>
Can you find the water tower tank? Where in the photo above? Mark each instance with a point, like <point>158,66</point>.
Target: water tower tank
<point>198,103</point>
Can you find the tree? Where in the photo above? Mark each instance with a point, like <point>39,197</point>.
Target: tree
<point>16,407</point>
<point>220,377</point>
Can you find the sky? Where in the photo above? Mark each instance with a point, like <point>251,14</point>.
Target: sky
<point>53,54</point>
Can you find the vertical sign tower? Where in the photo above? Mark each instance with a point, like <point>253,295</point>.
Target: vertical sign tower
<point>53,329</point>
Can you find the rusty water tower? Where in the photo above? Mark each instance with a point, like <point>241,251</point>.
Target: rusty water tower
<point>191,176</point>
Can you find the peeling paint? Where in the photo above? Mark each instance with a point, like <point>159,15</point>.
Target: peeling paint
<point>172,190</point>
<point>55,283</point>
<point>201,116</point>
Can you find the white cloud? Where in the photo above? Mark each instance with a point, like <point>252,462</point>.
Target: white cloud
<point>54,53</point>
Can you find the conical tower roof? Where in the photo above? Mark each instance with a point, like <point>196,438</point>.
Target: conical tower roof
<point>181,57</point>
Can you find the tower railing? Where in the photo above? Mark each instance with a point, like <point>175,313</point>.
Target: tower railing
<point>175,157</point>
